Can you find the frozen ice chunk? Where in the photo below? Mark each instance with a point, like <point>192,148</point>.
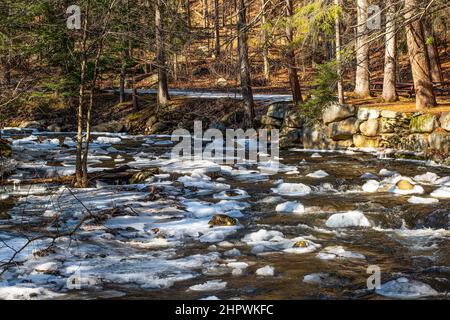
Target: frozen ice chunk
<point>443,192</point>
<point>318,174</point>
<point>266,271</point>
<point>420,200</point>
<point>371,186</point>
<point>348,219</point>
<point>213,285</point>
<point>292,189</point>
<point>338,252</point>
<point>404,288</point>
<point>291,207</point>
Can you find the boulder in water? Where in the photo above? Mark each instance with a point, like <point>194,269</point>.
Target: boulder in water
<point>222,220</point>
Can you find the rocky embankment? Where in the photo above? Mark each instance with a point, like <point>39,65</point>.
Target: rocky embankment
<point>426,135</point>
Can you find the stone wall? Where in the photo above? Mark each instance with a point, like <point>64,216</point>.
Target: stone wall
<point>348,126</point>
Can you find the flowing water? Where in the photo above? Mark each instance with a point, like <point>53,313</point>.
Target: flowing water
<point>158,245</point>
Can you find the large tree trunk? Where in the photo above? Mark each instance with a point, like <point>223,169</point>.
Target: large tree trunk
<point>433,52</point>
<point>246,87</point>
<point>340,86</point>
<point>362,52</point>
<point>216,29</point>
<point>290,57</point>
<point>205,14</point>
<point>418,57</point>
<point>264,40</point>
<point>390,58</point>
<point>163,88</point>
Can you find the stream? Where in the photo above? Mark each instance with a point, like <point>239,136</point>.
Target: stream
<point>309,231</point>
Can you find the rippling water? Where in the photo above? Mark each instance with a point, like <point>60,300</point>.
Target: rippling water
<point>404,240</point>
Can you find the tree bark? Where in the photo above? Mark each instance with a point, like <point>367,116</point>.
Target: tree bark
<point>264,40</point>
<point>290,57</point>
<point>362,89</point>
<point>433,52</point>
<point>163,88</point>
<point>83,62</point>
<point>246,87</point>
<point>418,57</point>
<point>216,29</point>
<point>340,87</point>
<point>390,58</point>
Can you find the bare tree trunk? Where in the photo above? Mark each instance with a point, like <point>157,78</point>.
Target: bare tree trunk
<point>163,88</point>
<point>188,12</point>
<point>340,87</point>
<point>390,58</point>
<point>216,29</point>
<point>247,92</point>
<point>290,57</point>
<point>6,71</point>
<point>418,57</point>
<point>205,14</point>
<point>362,52</point>
<point>83,62</point>
<point>264,40</point>
<point>433,52</point>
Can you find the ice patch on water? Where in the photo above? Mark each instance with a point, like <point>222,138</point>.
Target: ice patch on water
<point>443,192</point>
<point>315,278</point>
<point>404,288</point>
<point>421,200</point>
<point>27,292</point>
<point>108,140</point>
<point>338,252</point>
<point>291,207</point>
<point>267,271</point>
<point>429,177</point>
<point>292,189</point>
<point>348,219</point>
<point>371,186</point>
<point>213,285</point>
<point>318,174</point>
<point>263,241</point>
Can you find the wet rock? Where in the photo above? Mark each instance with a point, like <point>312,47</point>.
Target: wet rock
<point>444,120</point>
<point>5,149</point>
<point>270,121</point>
<point>343,130</point>
<point>54,128</point>
<point>290,138</point>
<point>315,137</point>
<point>233,118</point>
<point>425,123</point>
<point>370,128</point>
<point>151,121</point>
<point>277,110</point>
<point>413,142</point>
<point>405,185</point>
<point>439,141</point>
<point>390,114</point>
<point>113,126</point>
<point>361,141</point>
<point>39,125</point>
<point>143,175</point>
<point>4,216</point>
<point>158,128</point>
<point>335,112</point>
<point>293,119</point>
<point>221,220</point>
<point>221,83</point>
<point>301,244</point>
<point>368,114</point>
